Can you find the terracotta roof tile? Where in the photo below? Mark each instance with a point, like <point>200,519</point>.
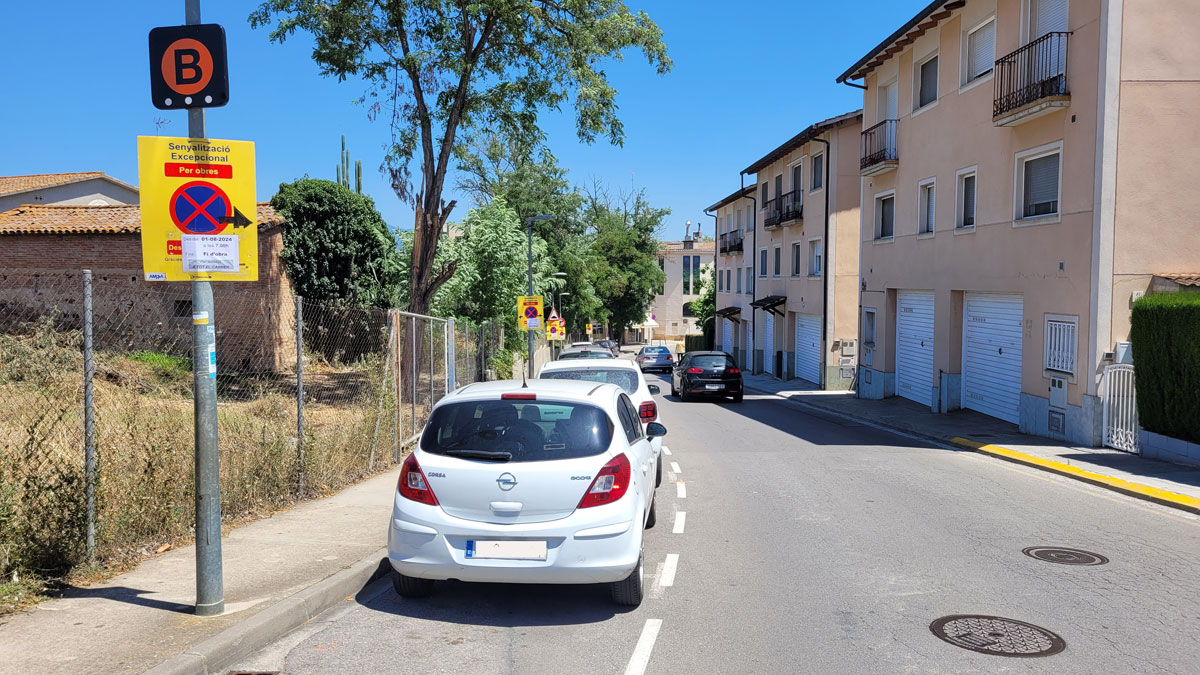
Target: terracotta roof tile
<point>16,184</point>
<point>701,246</point>
<point>1182,279</point>
<point>78,219</point>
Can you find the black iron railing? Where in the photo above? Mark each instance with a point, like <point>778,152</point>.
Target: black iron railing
<point>792,207</point>
<point>731,242</point>
<point>771,217</point>
<point>879,144</point>
<point>1036,71</point>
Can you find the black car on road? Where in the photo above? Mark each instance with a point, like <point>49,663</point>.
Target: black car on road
<point>707,374</point>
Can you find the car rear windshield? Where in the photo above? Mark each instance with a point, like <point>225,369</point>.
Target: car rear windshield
<point>714,361</point>
<point>520,431</point>
<point>657,350</point>
<point>622,377</point>
<point>584,355</point>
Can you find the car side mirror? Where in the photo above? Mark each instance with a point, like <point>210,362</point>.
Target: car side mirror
<point>655,430</point>
<point>654,390</point>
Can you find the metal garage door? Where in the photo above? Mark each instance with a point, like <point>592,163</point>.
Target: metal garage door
<point>808,347</point>
<point>727,336</point>
<point>748,366</point>
<point>914,346</point>
<point>769,345</point>
<point>991,368</point>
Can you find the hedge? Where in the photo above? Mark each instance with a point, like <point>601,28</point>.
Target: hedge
<point>1166,361</point>
<point>696,343</point>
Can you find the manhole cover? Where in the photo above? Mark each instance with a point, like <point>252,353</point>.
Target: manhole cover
<point>998,636</point>
<point>1064,556</point>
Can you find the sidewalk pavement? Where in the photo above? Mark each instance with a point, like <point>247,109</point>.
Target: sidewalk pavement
<point>1173,485</point>
<point>279,572</point>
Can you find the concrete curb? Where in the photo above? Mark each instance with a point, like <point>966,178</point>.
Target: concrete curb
<point>1130,488</point>
<point>1138,490</point>
<point>246,637</point>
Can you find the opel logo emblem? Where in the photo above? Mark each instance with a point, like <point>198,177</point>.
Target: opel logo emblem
<point>506,481</point>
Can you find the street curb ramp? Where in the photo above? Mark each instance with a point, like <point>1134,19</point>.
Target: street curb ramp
<point>244,638</point>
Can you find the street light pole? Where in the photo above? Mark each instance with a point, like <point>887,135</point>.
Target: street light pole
<point>529,269</point>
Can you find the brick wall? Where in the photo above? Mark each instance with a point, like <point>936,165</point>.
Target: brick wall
<point>254,319</point>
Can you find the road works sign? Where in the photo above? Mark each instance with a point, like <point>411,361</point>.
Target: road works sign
<point>198,209</point>
<point>188,68</point>
<point>529,312</point>
<point>556,329</point>
<point>589,329</point>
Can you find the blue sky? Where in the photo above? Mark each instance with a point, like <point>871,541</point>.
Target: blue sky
<point>76,96</point>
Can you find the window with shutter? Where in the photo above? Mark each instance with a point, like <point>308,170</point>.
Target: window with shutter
<point>1048,16</point>
<point>885,212</point>
<point>818,171</point>
<point>927,203</point>
<point>981,50</point>
<point>778,261</point>
<point>797,181</point>
<point>927,83</point>
<point>814,257</point>
<point>967,199</point>
<point>1040,186</point>
<point>762,203</point>
<point>762,262</point>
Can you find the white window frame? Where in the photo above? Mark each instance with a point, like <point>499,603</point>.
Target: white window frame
<point>720,281</point>
<point>739,279</point>
<point>816,245</point>
<point>791,169</point>
<point>924,228</point>
<point>960,177</point>
<point>797,259</point>
<point>965,80</point>
<point>776,261</point>
<point>814,175</point>
<point>1064,319</point>
<point>749,280</point>
<point>763,261</point>
<point>877,215</point>
<point>1019,218</point>
<point>917,65</point>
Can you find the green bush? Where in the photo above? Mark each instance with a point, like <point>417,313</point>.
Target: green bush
<point>1166,360</point>
<point>696,343</point>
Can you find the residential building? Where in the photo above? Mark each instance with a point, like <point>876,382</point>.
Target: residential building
<point>802,318</point>
<point>1026,172</point>
<point>93,188</point>
<point>683,262</point>
<point>734,216</point>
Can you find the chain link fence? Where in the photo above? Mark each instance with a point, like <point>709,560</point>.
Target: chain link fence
<point>312,396</point>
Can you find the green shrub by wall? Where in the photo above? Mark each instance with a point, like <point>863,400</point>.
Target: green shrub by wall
<point>696,343</point>
<point>1166,360</point>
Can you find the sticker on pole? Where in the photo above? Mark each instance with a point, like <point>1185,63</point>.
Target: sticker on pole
<point>188,67</point>
<point>198,209</point>
<point>529,312</point>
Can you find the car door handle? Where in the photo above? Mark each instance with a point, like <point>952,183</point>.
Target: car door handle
<point>507,507</point>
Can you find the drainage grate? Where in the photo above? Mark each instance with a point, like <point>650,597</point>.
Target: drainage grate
<point>1064,556</point>
<point>997,636</point>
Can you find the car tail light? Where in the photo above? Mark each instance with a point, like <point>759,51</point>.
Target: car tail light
<point>648,411</point>
<point>609,485</point>
<point>694,371</point>
<point>413,484</point>
<point>733,371</point>
<point>518,397</point>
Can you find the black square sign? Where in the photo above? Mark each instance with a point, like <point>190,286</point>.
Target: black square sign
<point>188,68</point>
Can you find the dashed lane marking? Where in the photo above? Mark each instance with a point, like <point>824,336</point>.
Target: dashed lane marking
<point>681,490</point>
<point>675,467</point>
<point>680,519</point>
<point>666,451</point>
<point>645,647</point>
<point>667,578</point>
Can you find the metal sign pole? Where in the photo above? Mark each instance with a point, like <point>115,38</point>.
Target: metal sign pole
<point>210,591</point>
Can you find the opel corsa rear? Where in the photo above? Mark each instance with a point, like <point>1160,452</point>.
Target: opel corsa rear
<point>549,483</point>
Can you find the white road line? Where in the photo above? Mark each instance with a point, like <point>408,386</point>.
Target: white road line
<point>680,490</point>
<point>680,518</point>
<point>667,578</point>
<point>675,467</point>
<point>645,646</point>
<point>666,451</point>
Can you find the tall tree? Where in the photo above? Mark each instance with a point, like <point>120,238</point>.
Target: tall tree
<point>624,266</point>
<point>443,66</point>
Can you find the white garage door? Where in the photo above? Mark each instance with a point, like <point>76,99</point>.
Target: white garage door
<point>914,346</point>
<point>808,347</point>
<point>991,368</point>
<point>748,366</point>
<point>727,336</point>
<point>769,345</point>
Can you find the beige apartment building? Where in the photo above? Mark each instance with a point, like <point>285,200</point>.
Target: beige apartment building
<point>1027,172</point>
<point>683,262</point>
<point>792,312</point>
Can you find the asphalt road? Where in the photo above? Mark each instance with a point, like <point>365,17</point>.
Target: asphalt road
<point>812,545</point>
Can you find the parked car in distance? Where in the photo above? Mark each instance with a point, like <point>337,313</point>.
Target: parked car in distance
<point>610,346</point>
<point>655,358</point>
<point>548,483</point>
<point>707,374</point>
<point>588,352</point>
<point>623,374</point>
<point>581,344</point>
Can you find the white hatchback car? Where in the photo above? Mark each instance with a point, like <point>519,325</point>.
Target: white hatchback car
<point>549,483</point>
<point>624,374</point>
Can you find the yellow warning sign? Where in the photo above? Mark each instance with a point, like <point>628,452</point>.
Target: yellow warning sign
<point>556,329</point>
<point>529,312</point>
<point>199,214</point>
<point>589,329</point>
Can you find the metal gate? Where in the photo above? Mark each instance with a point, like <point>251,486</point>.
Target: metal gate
<point>1120,408</point>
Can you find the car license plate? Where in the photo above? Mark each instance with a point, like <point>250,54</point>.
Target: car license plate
<point>507,550</point>
<point>712,387</point>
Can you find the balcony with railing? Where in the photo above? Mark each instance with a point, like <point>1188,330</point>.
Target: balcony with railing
<point>771,213</point>
<point>879,149</point>
<point>731,242</point>
<point>783,209</point>
<point>1031,81</point>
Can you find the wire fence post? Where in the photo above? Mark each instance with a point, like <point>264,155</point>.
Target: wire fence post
<point>300,390</point>
<point>89,416</point>
<point>449,356</point>
<point>397,384</point>
<point>430,348</point>
<point>412,372</point>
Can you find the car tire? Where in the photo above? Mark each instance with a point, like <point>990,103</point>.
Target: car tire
<point>658,473</point>
<point>652,517</point>
<point>737,398</point>
<point>411,587</point>
<point>629,590</point>
<point>674,391</point>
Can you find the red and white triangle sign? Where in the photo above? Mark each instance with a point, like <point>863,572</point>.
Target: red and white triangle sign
<point>553,315</point>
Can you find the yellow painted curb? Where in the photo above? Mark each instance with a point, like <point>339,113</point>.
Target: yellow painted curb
<point>1164,497</point>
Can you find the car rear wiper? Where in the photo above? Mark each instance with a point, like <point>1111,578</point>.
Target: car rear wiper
<point>487,455</point>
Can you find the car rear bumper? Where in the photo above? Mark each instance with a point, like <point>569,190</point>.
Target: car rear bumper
<point>701,388</point>
<point>602,547</point>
